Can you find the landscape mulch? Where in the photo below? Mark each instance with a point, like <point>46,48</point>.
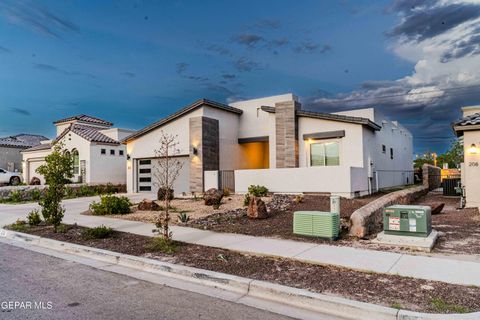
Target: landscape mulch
<point>387,290</point>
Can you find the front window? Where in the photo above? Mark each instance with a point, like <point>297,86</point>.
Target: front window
<point>325,154</point>
<point>76,162</point>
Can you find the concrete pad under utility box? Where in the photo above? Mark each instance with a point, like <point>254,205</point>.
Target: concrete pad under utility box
<point>424,244</point>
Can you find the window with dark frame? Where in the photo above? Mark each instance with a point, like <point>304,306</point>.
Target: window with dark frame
<point>112,152</point>
<point>120,152</point>
<point>103,151</point>
<point>391,153</point>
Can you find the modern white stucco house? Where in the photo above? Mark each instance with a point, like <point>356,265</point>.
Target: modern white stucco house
<point>94,144</point>
<point>469,129</point>
<point>272,141</point>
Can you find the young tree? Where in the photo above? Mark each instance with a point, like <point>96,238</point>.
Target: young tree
<point>57,169</point>
<point>166,171</point>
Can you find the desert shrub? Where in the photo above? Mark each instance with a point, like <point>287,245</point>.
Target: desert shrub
<point>162,193</point>
<point>35,194</point>
<point>258,191</point>
<point>246,200</point>
<point>62,228</point>
<point>19,225</point>
<point>33,218</point>
<point>160,244</point>
<point>15,196</point>
<point>110,204</point>
<point>226,192</point>
<point>183,217</point>
<point>100,232</point>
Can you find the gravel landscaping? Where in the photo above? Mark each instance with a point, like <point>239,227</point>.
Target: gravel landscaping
<point>388,290</point>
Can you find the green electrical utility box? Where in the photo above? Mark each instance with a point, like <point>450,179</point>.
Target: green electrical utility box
<point>404,220</point>
<point>316,224</point>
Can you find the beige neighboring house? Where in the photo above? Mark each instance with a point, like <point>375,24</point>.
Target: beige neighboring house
<point>469,128</point>
<point>94,144</point>
<point>11,147</point>
<point>275,142</point>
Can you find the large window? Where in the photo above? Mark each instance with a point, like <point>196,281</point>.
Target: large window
<point>76,162</point>
<point>325,154</point>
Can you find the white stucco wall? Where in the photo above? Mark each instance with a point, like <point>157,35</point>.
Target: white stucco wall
<point>33,160</point>
<point>117,133</point>
<point>471,169</point>
<point>107,168</point>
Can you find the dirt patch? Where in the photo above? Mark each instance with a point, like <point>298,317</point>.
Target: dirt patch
<point>387,290</point>
<point>195,208</point>
<point>459,228</point>
<point>280,224</point>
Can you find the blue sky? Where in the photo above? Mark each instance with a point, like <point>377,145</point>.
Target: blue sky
<point>134,62</point>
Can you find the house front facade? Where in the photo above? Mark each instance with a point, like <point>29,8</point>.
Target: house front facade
<point>94,144</point>
<point>468,129</point>
<point>11,147</point>
<point>274,142</point>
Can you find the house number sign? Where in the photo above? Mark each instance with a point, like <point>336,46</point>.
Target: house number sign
<point>473,164</point>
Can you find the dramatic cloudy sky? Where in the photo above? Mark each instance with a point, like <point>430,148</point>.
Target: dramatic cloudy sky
<point>133,62</point>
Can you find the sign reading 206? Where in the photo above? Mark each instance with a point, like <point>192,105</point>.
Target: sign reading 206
<point>473,164</point>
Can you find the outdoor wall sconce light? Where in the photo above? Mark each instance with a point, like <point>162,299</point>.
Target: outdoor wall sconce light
<point>128,156</point>
<point>194,151</point>
<point>473,149</point>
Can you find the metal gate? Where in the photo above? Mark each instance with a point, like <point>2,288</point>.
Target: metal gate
<point>226,180</point>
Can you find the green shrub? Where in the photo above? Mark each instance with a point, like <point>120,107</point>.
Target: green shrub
<point>258,191</point>
<point>62,228</point>
<point>100,232</point>
<point>19,225</point>
<point>15,196</point>
<point>35,194</point>
<point>110,204</point>
<point>33,218</point>
<point>183,217</point>
<point>160,244</point>
<point>246,200</point>
<point>162,193</point>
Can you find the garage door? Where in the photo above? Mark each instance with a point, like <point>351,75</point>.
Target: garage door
<point>146,176</point>
<point>32,167</point>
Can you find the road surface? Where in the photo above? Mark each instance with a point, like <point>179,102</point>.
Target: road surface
<point>46,287</point>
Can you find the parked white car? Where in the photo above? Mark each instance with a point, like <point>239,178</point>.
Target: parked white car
<point>8,177</point>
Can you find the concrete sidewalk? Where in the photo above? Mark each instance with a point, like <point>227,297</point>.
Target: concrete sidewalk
<point>437,268</point>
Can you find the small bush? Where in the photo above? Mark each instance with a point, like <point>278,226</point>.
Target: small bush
<point>19,225</point>
<point>110,204</point>
<point>162,193</point>
<point>33,218</point>
<point>442,306</point>
<point>160,244</point>
<point>62,228</point>
<point>15,196</point>
<point>226,192</point>
<point>183,217</point>
<point>100,232</point>
<point>35,194</point>
<point>246,200</point>
<point>258,191</point>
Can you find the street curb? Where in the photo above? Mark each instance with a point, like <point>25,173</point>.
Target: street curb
<point>284,295</point>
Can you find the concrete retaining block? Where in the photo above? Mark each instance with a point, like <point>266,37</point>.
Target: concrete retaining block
<point>297,298</point>
<point>364,220</point>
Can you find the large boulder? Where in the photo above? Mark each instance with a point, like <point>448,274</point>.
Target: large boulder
<point>257,208</point>
<point>148,205</point>
<point>213,197</point>
<point>35,181</point>
<point>437,207</point>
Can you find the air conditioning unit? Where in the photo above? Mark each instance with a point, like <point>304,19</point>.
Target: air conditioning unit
<point>316,224</point>
<point>407,220</point>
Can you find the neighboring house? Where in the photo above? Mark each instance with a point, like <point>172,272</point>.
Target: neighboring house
<point>273,142</point>
<point>10,148</point>
<point>469,128</point>
<point>98,155</point>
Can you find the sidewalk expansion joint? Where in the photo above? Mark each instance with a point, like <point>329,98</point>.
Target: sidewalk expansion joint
<point>395,263</point>
<point>303,251</point>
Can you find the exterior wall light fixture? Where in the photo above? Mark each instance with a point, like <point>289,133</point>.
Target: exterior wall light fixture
<point>473,149</point>
<point>195,151</point>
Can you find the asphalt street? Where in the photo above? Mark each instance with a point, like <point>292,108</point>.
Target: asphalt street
<point>37,286</point>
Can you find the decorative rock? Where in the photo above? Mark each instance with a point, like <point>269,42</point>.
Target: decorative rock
<point>213,197</point>
<point>257,208</point>
<point>148,205</point>
<point>35,181</point>
<point>427,287</point>
<point>437,207</point>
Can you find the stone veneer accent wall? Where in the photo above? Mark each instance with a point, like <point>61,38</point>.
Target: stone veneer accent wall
<point>286,134</point>
<point>205,136</point>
